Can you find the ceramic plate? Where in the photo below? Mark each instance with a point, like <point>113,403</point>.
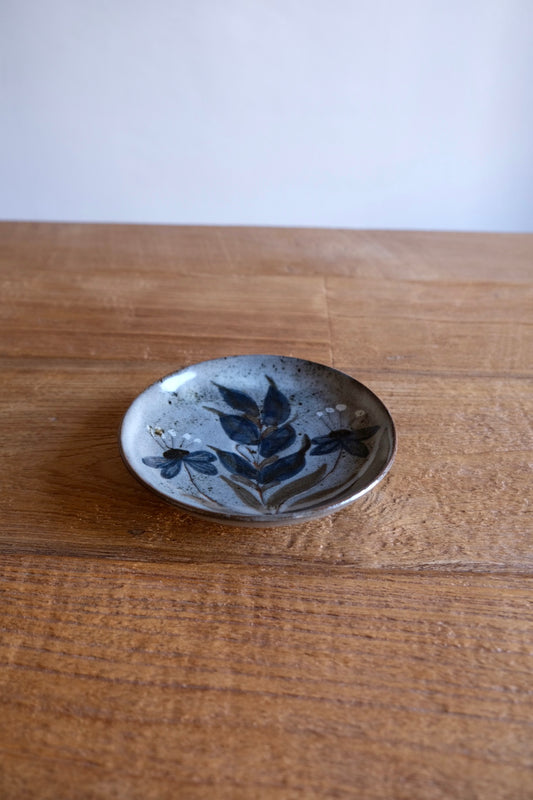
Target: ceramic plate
<point>258,440</point>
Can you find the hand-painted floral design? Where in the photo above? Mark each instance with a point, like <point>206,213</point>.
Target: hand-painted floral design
<point>258,469</point>
<point>174,458</point>
<point>260,433</point>
<point>347,439</point>
<point>344,436</point>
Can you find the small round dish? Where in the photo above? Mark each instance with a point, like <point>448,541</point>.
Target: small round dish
<point>258,440</point>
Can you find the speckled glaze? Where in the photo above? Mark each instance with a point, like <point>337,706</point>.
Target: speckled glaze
<point>258,440</point>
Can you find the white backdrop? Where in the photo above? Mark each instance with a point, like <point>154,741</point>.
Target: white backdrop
<point>369,113</point>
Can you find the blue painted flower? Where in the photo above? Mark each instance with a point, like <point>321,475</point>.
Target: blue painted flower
<point>171,460</point>
<point>347,439</point>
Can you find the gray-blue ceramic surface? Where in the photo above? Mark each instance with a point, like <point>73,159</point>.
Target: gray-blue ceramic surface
<point>258,440</point>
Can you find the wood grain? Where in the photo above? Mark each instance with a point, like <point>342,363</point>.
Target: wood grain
<point>384,652</point>
<point>186,250</point>
<point>139,679</point>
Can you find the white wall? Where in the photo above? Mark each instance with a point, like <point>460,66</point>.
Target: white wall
<point>370,113</point>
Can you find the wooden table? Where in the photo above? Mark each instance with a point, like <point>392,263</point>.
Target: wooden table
<point>385,652</point>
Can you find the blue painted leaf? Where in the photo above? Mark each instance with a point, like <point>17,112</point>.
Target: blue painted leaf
<point>236,464</point>
<point>201,455</point>
<point>278,440</point>
<point>355,447</point>
<point>276,408</point>
<point>240,429</point>
<point>201,461</point>
<point>287,467</point>
<point>238,401</point>
<point>171,469</point>
<point>324,445</point>
<point>155,461</point>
